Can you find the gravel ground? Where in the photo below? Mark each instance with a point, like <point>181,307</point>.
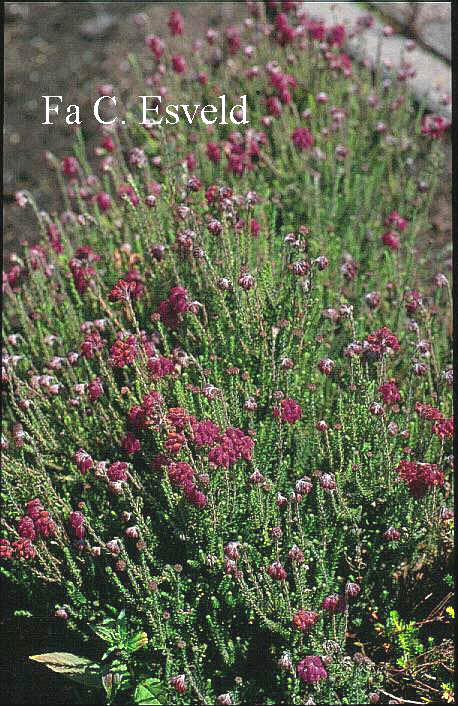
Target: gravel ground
<point>68,48</point>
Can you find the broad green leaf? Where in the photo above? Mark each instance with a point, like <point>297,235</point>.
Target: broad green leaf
<point>80,669</point>
<point>137,641</point>
<point>105,633</point>
<point>148,692</point>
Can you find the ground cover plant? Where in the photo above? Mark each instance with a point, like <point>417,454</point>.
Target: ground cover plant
<point>227,407</point>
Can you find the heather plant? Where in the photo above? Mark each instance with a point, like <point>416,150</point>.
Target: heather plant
<point>227,380</point>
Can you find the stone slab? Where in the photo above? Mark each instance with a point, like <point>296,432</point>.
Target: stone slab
<point>433,81</point>
<point>430,22</point>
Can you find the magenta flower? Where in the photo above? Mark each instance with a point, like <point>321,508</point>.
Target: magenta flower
<point>176,23</point>
<point>420,477</point>
<point>389,392</point>
<point>178,64</point>
<point>289,411</point>
<point>304,620</point>
<point>276,571</point>
<point>334,603</point>
<point>156,45</point>
<point>95,389</point>
<point>391,240</point>
<point>103,201</point>
<point>83,460</point>
<point>76,521</point>
<point>130,444</point>
<point>117,471</point>
<point>311,670</point>
<point>302,138</point>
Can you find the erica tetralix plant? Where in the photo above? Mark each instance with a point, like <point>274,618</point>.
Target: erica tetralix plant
<point>227,413</point>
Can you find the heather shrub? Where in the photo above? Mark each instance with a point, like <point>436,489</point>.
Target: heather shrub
<point>227,380</point>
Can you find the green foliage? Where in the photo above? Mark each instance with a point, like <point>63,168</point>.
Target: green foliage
<point>182,579</point>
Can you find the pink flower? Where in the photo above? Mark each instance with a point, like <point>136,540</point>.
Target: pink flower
<point>392,534</point>
<point>302,138</point>
<point>159,366</point>
<point>178,64</point>
<point>289,411</point>
<point>128,191</point>
<point>123,352</point>
<point>179,683</point>
<point>444,428</point>
<point>130,444</point>
<point>156,45</point>
<point>213,152</point>
<point>92,344</point>
<point>232,35</point>
<point>117,471</point>
<point>334,603</point>
<point>412,300</point>
<point>336,35</point>
<point>389,392</point>
<point>83,460</point>
<point>420,477</point>
<point>103,201</point>
<point>24,548</point>
<point>326,366</point>
<point>380,342</point>
<point>391,240</point>
<point>311,670</point>
<point>394,219</point>
<point>44,525</point>
<point>304,620</point>
<point>246,281</point>
<point>95,389</point>
<point>276,571</point>
<point>76,521</point>
<point>70,166</point>
<point>434,126</point>
<point>26,528</point>
<point>274,106</point>
<point>352,589</point>
<point>176,23</point>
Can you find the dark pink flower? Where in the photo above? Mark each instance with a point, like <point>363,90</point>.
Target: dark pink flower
<point>334,603</point>
<point>232,35</point>
<point>130,444</point>
<point>76,521</point>
<point>156,45</point>
<point>123,352</point>
<point>103,201</point>
<point>83,460</point>
<point>178,64</point>
<point>24,549</point>
<point>412,300</point>
<point>26,528</point>
<point>176,23</point>
<point>336,35</point>
<point>304,620</point>
<point>420,477</point>
<point>95,389</point>
<point>117,471</point>
<point>389,392</point>
<point>302,138</point>
<point>394,219</point>
<point>391,240</point>
<point>392,534</point>
<point>434,126</point>
<point>70,166</point>
<point>289,411</point>
<point>311,670</point>
<point>276,571</point>
<point>326,366</point>
<point>213,152</point>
